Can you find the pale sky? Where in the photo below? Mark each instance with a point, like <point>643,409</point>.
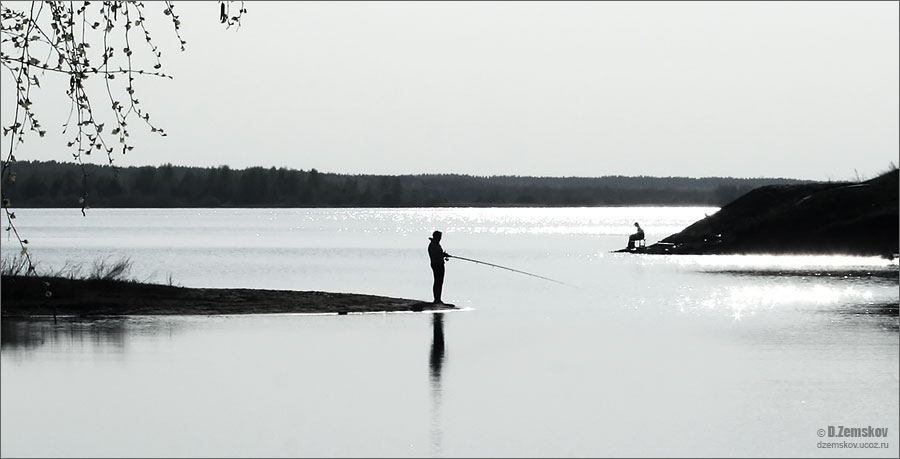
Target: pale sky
<point>742,89</point>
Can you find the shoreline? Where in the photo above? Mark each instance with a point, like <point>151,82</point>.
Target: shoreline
<point>445,309</point>
<point>26,296</point>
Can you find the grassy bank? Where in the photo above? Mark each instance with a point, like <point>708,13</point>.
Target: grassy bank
<point>106,290</point>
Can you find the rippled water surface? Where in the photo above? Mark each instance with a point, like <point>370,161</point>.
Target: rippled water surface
<point>635,356</point>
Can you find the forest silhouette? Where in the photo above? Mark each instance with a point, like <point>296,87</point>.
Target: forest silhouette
<point>61,184</point>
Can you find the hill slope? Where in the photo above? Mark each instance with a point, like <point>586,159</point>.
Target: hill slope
<point>817,218</point>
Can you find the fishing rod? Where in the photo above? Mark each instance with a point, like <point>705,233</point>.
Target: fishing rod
<point>509,269</point>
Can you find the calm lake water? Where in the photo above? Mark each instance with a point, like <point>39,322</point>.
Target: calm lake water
<point>638,356</point>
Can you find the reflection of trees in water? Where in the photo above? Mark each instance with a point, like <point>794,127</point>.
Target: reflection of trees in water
<point>883,315</point>
<point>113,332</point>
<point>876,275</point>
<point>435,364</point>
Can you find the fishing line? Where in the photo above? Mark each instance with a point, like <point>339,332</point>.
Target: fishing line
<point>510,269</point>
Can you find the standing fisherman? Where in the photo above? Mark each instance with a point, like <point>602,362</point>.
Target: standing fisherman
<point>438,257</point>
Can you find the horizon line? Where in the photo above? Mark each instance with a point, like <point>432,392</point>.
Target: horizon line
<point>462,174</point>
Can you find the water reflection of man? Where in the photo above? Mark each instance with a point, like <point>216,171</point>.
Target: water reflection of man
<point>435,362</point>
<point>438,257</point>
<point>437,347</point>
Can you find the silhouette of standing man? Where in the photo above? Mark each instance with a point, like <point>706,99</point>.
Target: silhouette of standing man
<point>438,257</point>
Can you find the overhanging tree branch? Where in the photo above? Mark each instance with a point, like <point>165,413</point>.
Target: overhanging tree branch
<point>55,38</point>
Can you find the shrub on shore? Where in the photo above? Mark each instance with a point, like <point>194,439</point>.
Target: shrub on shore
<point>101,269</point>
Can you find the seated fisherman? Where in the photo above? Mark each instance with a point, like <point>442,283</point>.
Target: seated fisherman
<point>639,235</point>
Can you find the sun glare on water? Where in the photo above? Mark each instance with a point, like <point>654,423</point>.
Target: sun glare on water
<point>773,282</point>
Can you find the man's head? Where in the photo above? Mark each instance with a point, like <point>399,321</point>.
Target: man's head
<point>435,236</point>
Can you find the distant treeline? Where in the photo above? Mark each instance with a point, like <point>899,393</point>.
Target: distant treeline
<point>54,184</point>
